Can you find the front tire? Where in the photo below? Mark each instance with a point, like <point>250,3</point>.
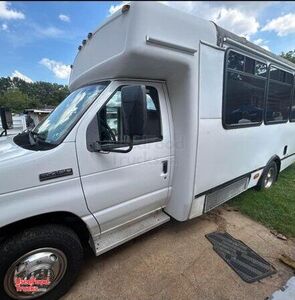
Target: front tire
<point>39,263</point>
<point>268,177</point>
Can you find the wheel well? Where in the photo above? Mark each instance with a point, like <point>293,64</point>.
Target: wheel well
<point>278,162</point>
<point>62,218</point>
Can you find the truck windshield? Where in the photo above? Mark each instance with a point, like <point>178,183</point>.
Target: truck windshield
<point>58,124</point>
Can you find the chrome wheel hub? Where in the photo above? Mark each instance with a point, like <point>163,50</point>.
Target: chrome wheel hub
<point>35,273</point>
<point>270,178</point>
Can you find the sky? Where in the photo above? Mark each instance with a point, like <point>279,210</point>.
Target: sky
<point>39,40</point>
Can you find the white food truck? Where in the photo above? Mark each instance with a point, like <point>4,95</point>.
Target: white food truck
<point>169,116</point>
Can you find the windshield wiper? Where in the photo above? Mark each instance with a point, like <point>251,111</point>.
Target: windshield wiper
<point>35,138</point>
<point>39,137</point>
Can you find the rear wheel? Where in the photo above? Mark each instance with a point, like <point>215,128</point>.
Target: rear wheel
<point>39,263</point>
<point>268,177</point>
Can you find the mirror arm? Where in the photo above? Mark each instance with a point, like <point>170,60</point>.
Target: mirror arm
<point>124,151</point>
<point>96,146</point>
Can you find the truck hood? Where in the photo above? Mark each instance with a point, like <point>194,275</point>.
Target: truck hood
<point>9,150</point>
<point>20,168</point>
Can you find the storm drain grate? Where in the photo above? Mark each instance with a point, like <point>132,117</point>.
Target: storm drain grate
<point>243,260</point>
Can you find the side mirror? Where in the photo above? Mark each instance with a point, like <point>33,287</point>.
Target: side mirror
<point>6,120</point>
<point>134,116</point>
<point>134,110</point>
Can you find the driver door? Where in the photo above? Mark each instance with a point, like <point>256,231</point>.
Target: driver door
<point>120,187</point>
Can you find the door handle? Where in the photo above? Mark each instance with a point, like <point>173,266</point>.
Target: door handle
<point>165,166</point>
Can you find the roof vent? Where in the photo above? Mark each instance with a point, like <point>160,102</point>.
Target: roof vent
<point>89,35</point>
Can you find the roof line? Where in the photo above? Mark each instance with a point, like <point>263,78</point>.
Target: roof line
<point>223,35</point>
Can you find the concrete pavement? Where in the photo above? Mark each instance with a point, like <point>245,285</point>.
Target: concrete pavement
<point>176,261</point>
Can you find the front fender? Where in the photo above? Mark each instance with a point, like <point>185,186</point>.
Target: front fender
<point>65,195</point>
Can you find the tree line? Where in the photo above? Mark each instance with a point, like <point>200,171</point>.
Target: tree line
<point>18,95</point>
<point>289,56</point>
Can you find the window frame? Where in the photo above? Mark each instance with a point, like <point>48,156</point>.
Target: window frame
<point>225,72</point>
<point>135,142</point>
<point>266,98</point>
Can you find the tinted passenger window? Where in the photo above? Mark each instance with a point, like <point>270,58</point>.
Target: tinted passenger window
<point>292,115</point>
<point>289,78</point>
<point>244,91</point>
<point>279,96</point>
<point>250,65</point>
<point>274,73</point>
<point>235,61</point>
<point>260,69</point>
<point>111,121</point>
<point>244,99</point>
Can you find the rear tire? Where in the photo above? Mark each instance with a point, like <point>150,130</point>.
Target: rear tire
<point>269,177</point>
<point>47,251</point>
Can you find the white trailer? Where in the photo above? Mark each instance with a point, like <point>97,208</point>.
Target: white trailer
<point>169,116</point>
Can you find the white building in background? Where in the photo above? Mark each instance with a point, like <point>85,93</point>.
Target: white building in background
<point>38,115</point>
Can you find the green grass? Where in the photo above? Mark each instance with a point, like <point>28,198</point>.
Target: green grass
<point>275,207</point>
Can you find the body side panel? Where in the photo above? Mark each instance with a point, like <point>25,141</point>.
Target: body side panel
<point>225,154</point>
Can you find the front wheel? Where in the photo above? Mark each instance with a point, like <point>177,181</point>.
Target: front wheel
<point>39,263</point>
<point>268,177</point>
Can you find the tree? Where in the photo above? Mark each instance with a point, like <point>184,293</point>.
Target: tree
<point>290,55</point>
<point>15,100</point>
<point>36,95</point>
<point>5,84</point>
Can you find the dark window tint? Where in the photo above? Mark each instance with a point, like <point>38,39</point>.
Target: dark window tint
<point>280,75</point>
<point>111,121</point>
<point>292,115</point>
<point>244,99</point>
<point>260,69</point>
<point>250,65</point>
<point>278,102</point>
<point>274,73</point>
<point>289,78</point>
<point>235,61</point>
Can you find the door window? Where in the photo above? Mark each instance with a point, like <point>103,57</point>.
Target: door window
<point>111,122</point>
